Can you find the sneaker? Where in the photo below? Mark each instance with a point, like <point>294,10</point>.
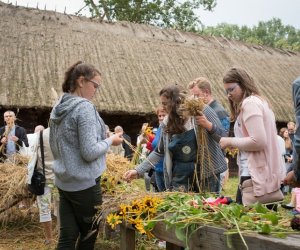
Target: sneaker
<point>288,206</point>
<point>295,212</point>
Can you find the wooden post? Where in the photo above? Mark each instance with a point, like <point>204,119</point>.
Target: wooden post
<point>127,238</point>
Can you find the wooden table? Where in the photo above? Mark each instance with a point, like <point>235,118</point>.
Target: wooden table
<point>211,238</point>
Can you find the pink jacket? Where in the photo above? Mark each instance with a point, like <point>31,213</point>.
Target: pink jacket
<point>260,142</point>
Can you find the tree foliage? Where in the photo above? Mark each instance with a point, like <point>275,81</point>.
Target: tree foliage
<point>177,14</point>
<point>271,33</point>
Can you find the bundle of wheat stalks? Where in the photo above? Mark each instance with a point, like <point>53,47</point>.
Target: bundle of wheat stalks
<point>194,107</point>
<point>13,179</point>
<point>112,179</point>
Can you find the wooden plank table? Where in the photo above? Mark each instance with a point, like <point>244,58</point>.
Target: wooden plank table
<point>212,238</point>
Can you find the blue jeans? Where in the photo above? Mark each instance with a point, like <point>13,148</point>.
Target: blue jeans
<point>160,181</point>
<point>77,211</point>
<point>213,184</point>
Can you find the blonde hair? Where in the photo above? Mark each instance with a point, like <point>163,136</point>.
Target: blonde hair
<point>202,83</point>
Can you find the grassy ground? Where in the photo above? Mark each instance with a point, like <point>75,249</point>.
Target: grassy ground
<point>26,233</point>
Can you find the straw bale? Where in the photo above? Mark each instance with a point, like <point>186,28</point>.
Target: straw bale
<point>13,180</point>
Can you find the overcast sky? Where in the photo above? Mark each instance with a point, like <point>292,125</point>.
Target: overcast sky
<point>241,12</point>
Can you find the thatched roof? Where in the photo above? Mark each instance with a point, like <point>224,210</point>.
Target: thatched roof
<point>136,61</point>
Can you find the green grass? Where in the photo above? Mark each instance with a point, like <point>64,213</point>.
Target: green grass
<point>230,187</point>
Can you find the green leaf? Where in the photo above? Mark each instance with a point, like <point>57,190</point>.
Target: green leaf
<point>246,218</point>
<point>236,211</point>
<point>150,225</point>
<point>281,235</point>
<point>271,217</point>
<point>265,229</point>
<point>260,208</point>
<point>229,240</point>
<point>180,234</point>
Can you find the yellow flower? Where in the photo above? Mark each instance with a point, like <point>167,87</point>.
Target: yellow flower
<point>113,220</point>
<point>140,227</point>
<point>137,223</point>
<point>148,131</point>
<point>148,202</point>
<point>123,210</point>
<point>136,206</point>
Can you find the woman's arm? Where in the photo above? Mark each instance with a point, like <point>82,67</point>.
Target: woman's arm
<point>90,146</point>
<point>152,159</point>
<point>256,139</point>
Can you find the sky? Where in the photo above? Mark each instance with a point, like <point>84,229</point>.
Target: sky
<point>240,12</point>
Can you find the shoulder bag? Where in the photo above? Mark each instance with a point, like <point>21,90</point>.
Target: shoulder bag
<point>38,179</point>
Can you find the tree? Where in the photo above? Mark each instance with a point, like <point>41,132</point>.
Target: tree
<point>271,33</point>
<point>177,14</point>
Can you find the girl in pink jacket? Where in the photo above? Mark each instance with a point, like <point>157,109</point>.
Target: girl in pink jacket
<point>259,159</point>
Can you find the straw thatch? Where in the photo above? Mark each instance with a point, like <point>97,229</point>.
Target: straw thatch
<point>36,47</point>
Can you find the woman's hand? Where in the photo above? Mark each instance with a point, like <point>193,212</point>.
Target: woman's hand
<point>225,142</point>
<point>117,138</point>
<point>130,175</point>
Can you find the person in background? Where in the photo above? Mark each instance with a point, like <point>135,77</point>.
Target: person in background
<point>201,88</point>
<point>107,131</point>
<point>159,172</point>
<point>44,201</point>
<point>288,156</point>
<point>127,149</point>
<point>12,136</point>
<point>178,146</point>
<point>79,145</point>
<point>143,149</point>
<point>283,132</point>
<point>118,150</point>
<point>259,157</point>
<point>293,177</point>
<point>291,129</point>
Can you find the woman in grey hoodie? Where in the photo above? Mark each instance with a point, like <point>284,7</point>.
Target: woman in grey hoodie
<point>79,145</point>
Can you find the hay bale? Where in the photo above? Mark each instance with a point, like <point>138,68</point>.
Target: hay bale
<point>13,179</point>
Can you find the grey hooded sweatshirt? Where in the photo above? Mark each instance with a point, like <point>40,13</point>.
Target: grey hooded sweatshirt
<point>78,143</point>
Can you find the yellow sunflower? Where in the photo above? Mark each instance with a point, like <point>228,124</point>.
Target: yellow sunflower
<point>113,220</point>
<point>124,209</point>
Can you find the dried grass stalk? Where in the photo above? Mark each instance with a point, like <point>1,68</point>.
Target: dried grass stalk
<point>117,165</point>
<point>194,107</point>
<point>13,190</point>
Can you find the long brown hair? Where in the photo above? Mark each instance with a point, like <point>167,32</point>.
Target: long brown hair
<point>287,140</point>
<point>246,83</point>
<point>77,70</point>
<point>176,95</point>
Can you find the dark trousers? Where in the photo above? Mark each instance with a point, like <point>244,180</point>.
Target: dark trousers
<point>239,192</point>
<point>77,211</point>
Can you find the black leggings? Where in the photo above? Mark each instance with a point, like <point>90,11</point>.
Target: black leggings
<point>238,192</point>
<point>77,211</point>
